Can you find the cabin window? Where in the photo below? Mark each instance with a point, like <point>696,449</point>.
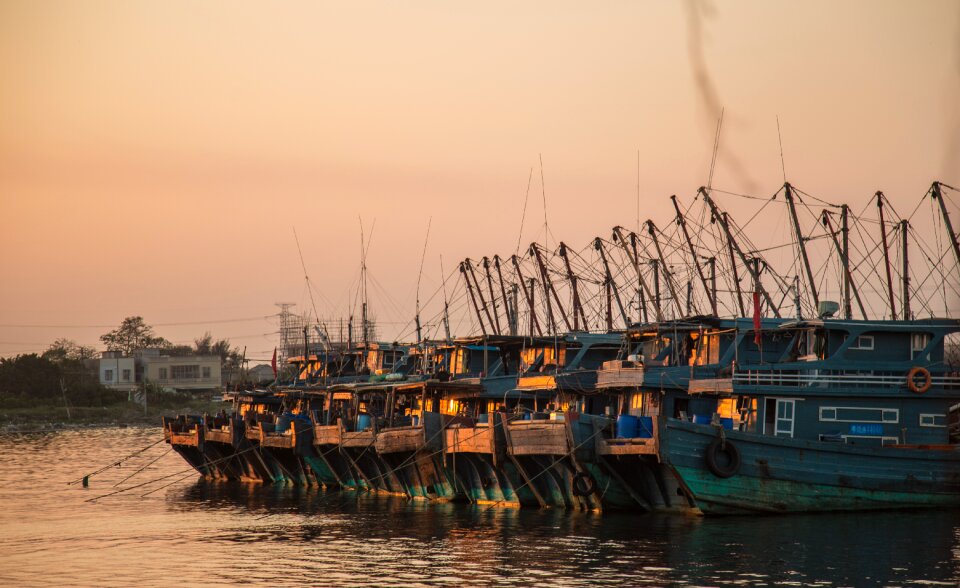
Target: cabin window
<point>636,401</point>
<point>863,342</point>
<point>847,414</point>
<point>933,420</point>
<point>108,375</point>
<point>162,373</point>
<point>919,342</point>
<point>779,417</point>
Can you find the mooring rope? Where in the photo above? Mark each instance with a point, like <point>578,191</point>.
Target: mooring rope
<point>114,463</point>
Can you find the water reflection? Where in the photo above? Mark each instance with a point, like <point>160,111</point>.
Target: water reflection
<point>194,532</point>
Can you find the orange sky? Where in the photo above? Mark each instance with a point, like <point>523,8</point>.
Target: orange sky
<point>156,156</point>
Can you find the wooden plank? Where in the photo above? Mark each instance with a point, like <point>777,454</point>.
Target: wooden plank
<point>523,472</point>
<point>711,386</point>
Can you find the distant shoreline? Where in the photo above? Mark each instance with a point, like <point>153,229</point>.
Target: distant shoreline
<point>127,414</point>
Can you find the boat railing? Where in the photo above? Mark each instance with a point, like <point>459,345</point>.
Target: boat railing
<point>834,379</point>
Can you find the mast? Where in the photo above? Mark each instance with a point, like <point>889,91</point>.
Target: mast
<point>476,307</point>
<point>788,192</point>
<point>693,256</point>
<point>843,251</point>
<point>598,245</point>
<point>938,196</point>
<point>483,301</point>
<point>577,307</point>
<point>652,229</point>
<point>446,303</point>
<point>886,255</point>
<point>534,324</point>
<point>511,314</point>
<point>725,225</point>
<point>736,278</point>
<point>493,297</point>
<point>548,286</point>
<point>904,233</point>
<point>634,258</point>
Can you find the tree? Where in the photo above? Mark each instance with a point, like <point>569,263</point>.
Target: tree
<point>63,350</point>
<point>133,334</point>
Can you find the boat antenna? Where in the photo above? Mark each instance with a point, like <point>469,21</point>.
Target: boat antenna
<point>713,160</point>
<point>306,277</point>
<point>420,275</point>
<point>543,192</point>
<point>446,304</point>
<point>783,167</point>
<point>523,217</point>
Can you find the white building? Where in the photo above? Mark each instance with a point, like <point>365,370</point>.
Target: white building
<point>118,372</point>
<point>189,372</point>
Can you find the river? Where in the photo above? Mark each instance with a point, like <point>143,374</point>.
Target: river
<point>187,533</point>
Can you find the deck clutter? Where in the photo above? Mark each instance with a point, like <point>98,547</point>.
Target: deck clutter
<point>696,407</point>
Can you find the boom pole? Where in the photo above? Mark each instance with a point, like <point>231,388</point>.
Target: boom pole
<point>886,256</point>
<point>801,245</point>
<point>693,256</point>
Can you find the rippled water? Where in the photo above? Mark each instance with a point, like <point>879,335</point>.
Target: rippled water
<point>192,533</point>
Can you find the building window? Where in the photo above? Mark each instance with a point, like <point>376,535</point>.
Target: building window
<point>206,372</point>
<point>184,372</point>
<point>162,372</point>
<point>859,415</point>
<point>863,342</point>
<point>126,375</point>
<point>107,375</point>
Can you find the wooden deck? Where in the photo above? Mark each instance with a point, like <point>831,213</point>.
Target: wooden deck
<point>278,440</point>
<point>627,446</point>
<point>361,439</point>
<point>712,386</point>
<point>224,435</point>
<point>400,439</point>
<point>538,438</point>
<point>326,435</point>
<point>191,439</point>
<point>469,440</point>
<point>620,374</point>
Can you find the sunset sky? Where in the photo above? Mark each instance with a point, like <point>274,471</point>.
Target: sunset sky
<point>156,157</point>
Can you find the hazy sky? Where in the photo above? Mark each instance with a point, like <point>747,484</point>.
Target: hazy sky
<point>155,157</point>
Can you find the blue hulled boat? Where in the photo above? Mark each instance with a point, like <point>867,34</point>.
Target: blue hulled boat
<point>825,415</point>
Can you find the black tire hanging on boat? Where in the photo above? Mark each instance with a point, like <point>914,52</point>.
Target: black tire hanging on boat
<point>716,447</point>
<point>584,484</point>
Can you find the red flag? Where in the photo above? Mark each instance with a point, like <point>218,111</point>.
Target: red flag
<point>273,362</point>
<point>756,317</point>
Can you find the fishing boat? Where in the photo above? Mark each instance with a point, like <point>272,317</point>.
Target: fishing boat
<point>827,415</point>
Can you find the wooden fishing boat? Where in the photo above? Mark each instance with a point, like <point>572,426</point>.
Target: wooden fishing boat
<point>827,415</point>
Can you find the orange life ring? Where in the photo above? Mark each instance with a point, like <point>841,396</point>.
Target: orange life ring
<point>912,379</point>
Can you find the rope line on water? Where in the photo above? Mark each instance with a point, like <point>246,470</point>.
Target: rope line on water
<point>114,463</point>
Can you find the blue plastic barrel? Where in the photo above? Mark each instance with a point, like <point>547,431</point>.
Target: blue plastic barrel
<point>702,419</point>
<point>364,422</point>
<point>483,418</point>
<point>727,423</point>
<point>283,422</point>
<point>645,427</point>
<point>527,416</point>
<point>627,426</point>
<point>415,420</point>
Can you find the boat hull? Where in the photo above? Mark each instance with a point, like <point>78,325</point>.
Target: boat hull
<point>782,475</point>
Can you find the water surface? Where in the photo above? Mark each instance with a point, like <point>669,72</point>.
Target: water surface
<point>181,531</point>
